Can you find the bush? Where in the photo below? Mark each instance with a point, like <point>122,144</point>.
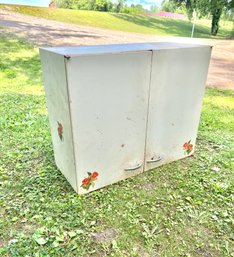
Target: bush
<point>134,9</point>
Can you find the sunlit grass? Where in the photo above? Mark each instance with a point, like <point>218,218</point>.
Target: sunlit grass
<point>221,101</point>
<point>125,22</point>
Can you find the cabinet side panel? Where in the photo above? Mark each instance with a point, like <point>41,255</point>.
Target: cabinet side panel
<point>177,87</point>
<point>109,98</point>
<point>54,77</point>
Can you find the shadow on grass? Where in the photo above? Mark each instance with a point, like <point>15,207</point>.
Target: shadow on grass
<point>29,67</point>
<point>17,58</point>
<point>45,35</point>
<point>175,27</point>
<point>168,26</point>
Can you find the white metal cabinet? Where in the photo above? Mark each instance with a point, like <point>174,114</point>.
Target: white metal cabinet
<point>117,110</point>
<point>177,86</point>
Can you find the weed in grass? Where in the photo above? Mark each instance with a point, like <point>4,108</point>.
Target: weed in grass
<point>180,209</point>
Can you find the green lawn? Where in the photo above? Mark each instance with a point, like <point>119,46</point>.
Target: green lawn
<point>125,22</point>
<point>180,209</point>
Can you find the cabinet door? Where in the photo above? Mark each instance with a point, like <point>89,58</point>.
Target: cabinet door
<point>109,98</point>
<point>176,91</point>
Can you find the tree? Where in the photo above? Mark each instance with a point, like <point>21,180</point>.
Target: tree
<point>86,4</point>
<point>68,4</point>
<point>169,6</point>
<point>172,6</point>
<point>154,8</point>
<point>119,5</point>
<point>102,5</point>
<point>205,7</point>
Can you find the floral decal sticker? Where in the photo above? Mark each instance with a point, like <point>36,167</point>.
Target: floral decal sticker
<point>188,147</point>
<point>60,131</point>
<point>90,180</point>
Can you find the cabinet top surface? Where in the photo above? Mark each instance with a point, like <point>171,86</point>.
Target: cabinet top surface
<point>117,48</point>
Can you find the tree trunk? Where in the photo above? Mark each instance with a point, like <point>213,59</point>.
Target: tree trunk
<point>215,21</point>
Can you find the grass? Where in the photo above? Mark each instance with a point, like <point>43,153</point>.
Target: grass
<point>125,22</point>
<point>180,209</point>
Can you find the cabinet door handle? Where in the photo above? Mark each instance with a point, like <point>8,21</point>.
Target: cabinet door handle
<point>154,160</point>
<point>134,168</point>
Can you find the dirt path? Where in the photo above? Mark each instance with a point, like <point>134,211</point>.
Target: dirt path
<point>44,32</point>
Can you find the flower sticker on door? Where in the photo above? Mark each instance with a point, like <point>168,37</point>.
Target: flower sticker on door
<point>90,180</point>
<point>60,131</point>
<point>187,147</point>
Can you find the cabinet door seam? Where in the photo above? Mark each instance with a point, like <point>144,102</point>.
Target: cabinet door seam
<point>148,105</point>
<point>69,108</point>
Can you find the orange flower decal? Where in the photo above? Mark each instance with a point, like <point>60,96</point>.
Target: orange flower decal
<point>94,175</point>
<point>86,181</point>
<point>60,131</point>
<point>188,147</point>
<point>89,181</point>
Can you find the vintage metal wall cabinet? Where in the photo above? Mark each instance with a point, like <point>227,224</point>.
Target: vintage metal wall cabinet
<point>117,110</point>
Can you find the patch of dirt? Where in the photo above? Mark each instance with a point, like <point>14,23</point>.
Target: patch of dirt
<point>203,252</point>
<point>44,32</point>
<point>106,235</point>
<point>29,228</point>
<point>148,186</point>
<point>1,242</point>
<point>141,252</point>
<point>26,227</point>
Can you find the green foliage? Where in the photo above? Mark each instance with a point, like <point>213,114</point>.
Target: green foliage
<point>168,6</point>
<point>100,5</point>
<point>180,209</point>
<point>134,9</point>
<point>69,4</point>
<point>171,6</point>
<point>228,14</point>
<point>96,5</point>
<point>119,6</point>
<point>154,8</point>
<point>86,4</point>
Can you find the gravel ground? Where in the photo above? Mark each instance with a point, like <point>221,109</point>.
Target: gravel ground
<point>44,32</point>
